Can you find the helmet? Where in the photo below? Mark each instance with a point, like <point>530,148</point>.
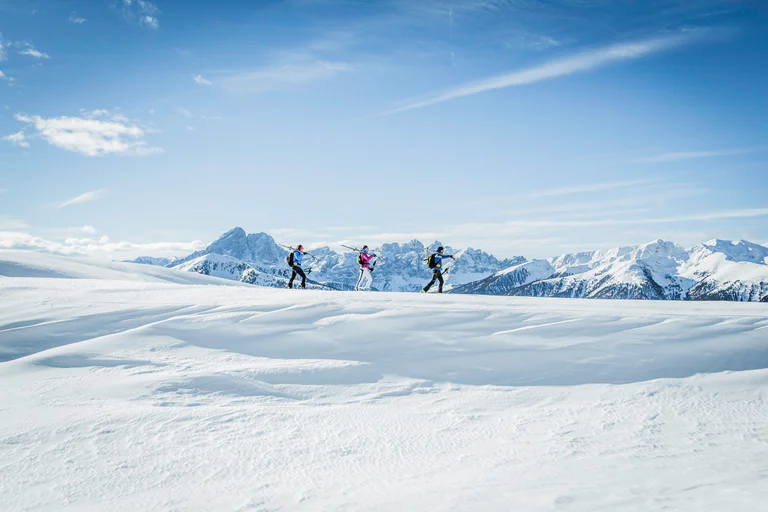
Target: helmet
<point>440,249</point>
<point>300,247</point>
<point>365,247</point>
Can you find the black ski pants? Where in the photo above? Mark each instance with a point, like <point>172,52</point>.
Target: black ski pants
<point>298,271</point>
<point>437,275</point>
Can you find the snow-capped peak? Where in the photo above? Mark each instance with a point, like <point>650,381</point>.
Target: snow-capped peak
<point>734,251</point>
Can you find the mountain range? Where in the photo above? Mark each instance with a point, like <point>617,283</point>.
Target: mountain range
<point>658,270</point>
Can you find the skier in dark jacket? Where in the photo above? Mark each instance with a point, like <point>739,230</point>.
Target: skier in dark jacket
<point>298,255</point>
<point>437,270</point>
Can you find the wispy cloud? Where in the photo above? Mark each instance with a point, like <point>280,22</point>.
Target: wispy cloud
<point>538,43</point>
<point>280,75</point>
<point>582,189</point>
<point>11,223</point>
<point>32,52</point>
<point>3,54</point>
<point>201,81</point>
<point>73,18</point>
<point>651,198</point>
<point>142,12</point>
<point>7,78</point>
<point>83,198</point>
<point>183,111</point>
<point>689,155</point>
<point>97,133</point>
<point>578,63</point>
<point>513,227</point>
<point>567,191</point>
<point>18,139</point>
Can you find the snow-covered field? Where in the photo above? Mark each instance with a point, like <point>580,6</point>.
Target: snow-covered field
<point>127,387</point>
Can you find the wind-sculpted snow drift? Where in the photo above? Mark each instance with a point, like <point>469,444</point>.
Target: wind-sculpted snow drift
<point>122,388</point>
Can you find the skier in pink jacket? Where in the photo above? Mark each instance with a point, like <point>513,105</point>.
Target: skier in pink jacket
<point>364,259</point>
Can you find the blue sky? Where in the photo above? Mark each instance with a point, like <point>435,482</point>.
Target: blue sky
<point>517,126</point>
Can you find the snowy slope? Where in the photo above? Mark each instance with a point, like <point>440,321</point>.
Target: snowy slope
<point>128,395</point>
<point>36,264</point>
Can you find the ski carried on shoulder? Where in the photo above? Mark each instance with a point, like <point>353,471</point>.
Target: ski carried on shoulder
<point>293,249</point>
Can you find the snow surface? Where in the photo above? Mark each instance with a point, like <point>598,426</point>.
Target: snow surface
<point>121,390</point>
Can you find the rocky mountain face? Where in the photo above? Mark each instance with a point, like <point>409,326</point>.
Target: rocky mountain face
<point>659,270</point>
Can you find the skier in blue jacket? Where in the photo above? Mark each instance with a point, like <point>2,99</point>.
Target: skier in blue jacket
<point>298,255</point>
<point>436,264</point>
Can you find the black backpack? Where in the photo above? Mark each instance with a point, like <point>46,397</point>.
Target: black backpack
<point>289,259</point>
<point>431,261</point>
<point>360,258</point>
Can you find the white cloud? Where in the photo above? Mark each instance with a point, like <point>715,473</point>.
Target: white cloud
<point>191,128</point>
<point>184,112</point>
<point>102,246</point>
<point>3,55</point>
<point>32,52</point>
<point>280,75</point>
<point>18,139</point>
<point>83,198</point>
<point>688,155</point>
<point>91,137</point>
<point>142,12</point>
<point>578,63</point>
<point>74,19</point>
<point>201,81</point>
<point>88,229</point>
